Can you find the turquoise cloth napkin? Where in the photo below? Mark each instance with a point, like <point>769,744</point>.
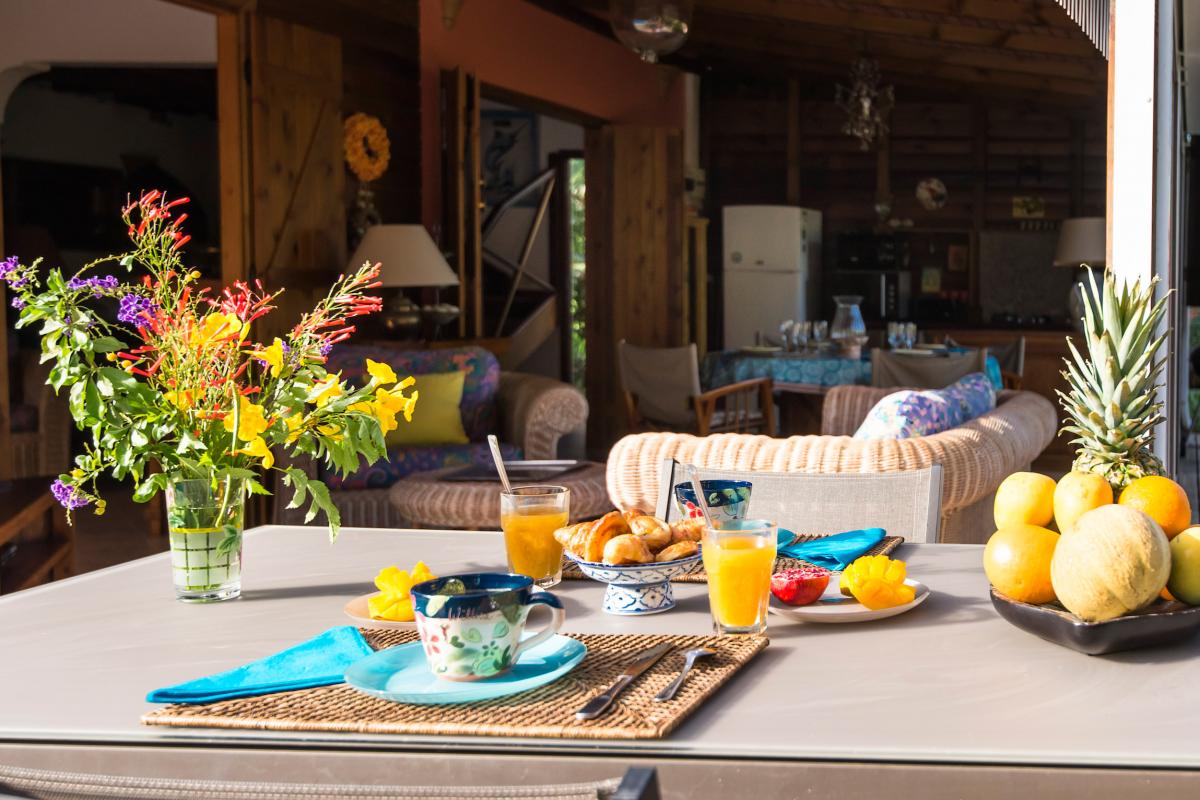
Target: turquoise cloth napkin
<point>835,552</point>
<point>318,662</point>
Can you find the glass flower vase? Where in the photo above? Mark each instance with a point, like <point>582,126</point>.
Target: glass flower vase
<point>204,523</point>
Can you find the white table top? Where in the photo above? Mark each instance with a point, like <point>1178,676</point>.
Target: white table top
<point>948,682</point>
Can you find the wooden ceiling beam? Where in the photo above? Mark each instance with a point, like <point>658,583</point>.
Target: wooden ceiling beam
<point>907,18</point>
<point>1091,67</point>
<point>835,62</point>
<point>841,54</point>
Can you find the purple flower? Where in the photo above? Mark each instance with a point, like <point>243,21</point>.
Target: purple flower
<point>7,266</point>
<point>325,348</point>
<point>97,285</point>
<point>18,303</point>
<point>136,310</point>
<point>68,496</point>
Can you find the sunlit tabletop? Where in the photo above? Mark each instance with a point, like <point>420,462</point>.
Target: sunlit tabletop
<point>949,682</point>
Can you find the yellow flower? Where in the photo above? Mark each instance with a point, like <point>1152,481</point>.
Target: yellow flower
<point>394,600</point>
<point>382,373</point>
<point>216,328</point>
<point>332,431</point>
<point>273,355</point>
<point>181,400</point>
<point>324,391</point>
<point>251,421</point>
<point>258,448</point>
<point>295,424</point>
<point>396,402</point>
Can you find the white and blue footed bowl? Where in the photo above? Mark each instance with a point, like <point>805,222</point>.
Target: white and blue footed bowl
<point>638,589</point>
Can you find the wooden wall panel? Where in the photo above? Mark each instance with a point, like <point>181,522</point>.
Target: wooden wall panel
<point>297,166</point>
<point>635,266</point>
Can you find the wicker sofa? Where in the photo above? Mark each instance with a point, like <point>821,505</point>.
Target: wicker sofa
<point>529,414</point>
<point>975,457</point>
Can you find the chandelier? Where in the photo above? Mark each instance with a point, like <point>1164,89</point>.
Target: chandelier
<point>866,103</point>
<point>651,28</point>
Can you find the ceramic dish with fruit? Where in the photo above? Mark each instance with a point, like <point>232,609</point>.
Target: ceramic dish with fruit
<point>871,588</point>
<point>726,499</point>
<point>636,554</point>
<point>390,608</point>
<point>1091,569</point>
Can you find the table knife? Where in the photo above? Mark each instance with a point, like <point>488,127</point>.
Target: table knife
<point>644,661</point>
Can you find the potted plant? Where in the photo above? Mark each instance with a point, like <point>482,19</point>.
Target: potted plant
<point>177,397</point>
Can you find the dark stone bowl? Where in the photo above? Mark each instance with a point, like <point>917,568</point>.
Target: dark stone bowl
<point>1160,623</point>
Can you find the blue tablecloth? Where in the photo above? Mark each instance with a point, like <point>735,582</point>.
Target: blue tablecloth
<point>730,366</point>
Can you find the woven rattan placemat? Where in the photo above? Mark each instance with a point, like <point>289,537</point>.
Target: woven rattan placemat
<point>886,545</point>
<point>545,712</point>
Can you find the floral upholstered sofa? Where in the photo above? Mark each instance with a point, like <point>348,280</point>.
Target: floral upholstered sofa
<point>529,414</point>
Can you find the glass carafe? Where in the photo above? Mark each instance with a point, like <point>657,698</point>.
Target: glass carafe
<point>848,330</point>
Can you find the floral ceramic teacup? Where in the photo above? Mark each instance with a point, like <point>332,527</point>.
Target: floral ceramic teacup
<point>471,625</point>
<point>727,500</point>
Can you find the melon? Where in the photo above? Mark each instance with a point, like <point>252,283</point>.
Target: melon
<point>1114,560</point>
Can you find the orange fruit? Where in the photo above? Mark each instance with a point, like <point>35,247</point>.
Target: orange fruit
<point>1076,494</point>
<point>1017,562</point>
<point>1024,498</point>
<point>1161,499</point>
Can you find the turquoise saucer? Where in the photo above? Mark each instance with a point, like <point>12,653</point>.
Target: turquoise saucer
<point>401,674</point>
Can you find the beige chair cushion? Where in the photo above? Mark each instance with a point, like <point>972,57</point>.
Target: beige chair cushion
<point>924,372</point>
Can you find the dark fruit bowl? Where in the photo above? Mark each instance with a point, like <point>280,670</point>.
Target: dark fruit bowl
<point>1160,623</point>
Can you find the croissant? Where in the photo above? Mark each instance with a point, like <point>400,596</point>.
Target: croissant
<point>687,530</point>
<point>565,534</point>
<point>655,532</point>
<point>607,527</point>
<point>678,550</point>
<point>627,549</point>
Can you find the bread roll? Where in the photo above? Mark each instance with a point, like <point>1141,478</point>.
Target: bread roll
<point>627,549</point>
<point>678,550</point>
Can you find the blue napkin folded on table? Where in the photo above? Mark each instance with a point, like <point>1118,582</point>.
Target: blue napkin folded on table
<point>320,661</point>
<point>835,552</point>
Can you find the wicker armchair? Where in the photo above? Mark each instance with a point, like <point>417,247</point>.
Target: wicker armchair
<point>975,457</point>
<point>535,412</point>
<point>44,446</point>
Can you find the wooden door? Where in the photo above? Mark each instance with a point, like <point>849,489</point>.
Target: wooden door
<point>464,195</point>
<point>299,220</point>
<point>635,272</point>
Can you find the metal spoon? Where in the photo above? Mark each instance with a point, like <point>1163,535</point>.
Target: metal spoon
<point>690,658</point>
<point>494,444</point>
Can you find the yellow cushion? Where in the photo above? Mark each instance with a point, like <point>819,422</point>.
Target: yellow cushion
<point>436,419</point>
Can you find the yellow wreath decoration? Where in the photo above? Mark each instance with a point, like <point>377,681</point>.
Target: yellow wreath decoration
<point>367,147</point>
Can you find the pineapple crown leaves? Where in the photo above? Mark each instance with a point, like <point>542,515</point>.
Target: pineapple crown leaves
<point>1111,404</point>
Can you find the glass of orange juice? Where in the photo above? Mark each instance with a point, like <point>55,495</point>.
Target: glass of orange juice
<point>529,516</point>
<point>739,558</point>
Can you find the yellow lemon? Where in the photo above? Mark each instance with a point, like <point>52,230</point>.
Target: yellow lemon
<point>1161,499</point>
<point>1076,494</point>
<point>1024,498</point>
<point>1017,562</point>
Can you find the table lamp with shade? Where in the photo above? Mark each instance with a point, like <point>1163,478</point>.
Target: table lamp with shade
<point>408,258</point>
<point>1081,246</point>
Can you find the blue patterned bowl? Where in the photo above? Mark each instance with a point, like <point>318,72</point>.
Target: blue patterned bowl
<point>727,499</point>
<point>638,589</point>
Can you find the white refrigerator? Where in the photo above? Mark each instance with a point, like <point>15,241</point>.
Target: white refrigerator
<point>771,262</point>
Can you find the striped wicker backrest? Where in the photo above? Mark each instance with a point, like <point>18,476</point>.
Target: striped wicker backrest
<point>904,504</point>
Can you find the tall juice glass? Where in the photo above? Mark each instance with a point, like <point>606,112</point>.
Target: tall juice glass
<point>529,516</point>
<point>739,557</point>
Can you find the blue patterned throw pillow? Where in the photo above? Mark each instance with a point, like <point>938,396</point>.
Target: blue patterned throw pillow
<point>907,413</point>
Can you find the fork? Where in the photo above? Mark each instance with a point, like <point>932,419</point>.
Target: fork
<point>690,658</point>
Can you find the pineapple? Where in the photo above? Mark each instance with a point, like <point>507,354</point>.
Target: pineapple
<point>1112,405</point>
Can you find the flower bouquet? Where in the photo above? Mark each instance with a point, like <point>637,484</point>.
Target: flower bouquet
<point>178,398</point>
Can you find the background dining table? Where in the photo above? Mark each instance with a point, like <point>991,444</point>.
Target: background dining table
<point>947,700</point>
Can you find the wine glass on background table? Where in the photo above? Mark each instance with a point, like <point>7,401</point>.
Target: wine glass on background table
<point>910,335</point>
<point>893,335</point>
<point>785,328</point>
<point>801,333</point>
<point>820,332</point>
<point>529,516</point>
